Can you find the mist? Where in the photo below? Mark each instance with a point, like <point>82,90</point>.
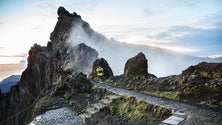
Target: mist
<point>160,62</point>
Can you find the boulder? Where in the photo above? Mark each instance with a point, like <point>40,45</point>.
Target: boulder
<point>106,68</point>
<point>136,66</point>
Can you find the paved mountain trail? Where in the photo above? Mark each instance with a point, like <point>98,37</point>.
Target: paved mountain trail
<point>195,115</point>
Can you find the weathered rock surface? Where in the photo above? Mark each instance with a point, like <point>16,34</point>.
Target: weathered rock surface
<point>42,70</point>
<point>136,66</point>
<point>106,68</point>
<point>46,68</point>
<point>65,23</point>
<point>74,84</point>
<point>205,71</point>
<point>80,58</point>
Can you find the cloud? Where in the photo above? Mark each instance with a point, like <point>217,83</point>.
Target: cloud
<point>148,11</point>
<point>164,36</point>
<point>206,41</point>
<point>19,55</point>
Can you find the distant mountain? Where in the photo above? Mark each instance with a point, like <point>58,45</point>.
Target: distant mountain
<point>9,69</point>
<point>7,83</point>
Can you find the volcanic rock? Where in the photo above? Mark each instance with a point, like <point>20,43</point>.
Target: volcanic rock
<point>76,83</point>
<point>67,21</point>
<point>106,68</point>
<point>41,72</point>
<point>136,66</point>
<point>80,58</point>
<point>207,70</point>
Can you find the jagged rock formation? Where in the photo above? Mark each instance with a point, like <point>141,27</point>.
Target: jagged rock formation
<point>71,28</point>
<point>42,70</point>
<point>47,68</point>
<point>65,23</point>
<point>106,68</point>
<point>81,58</point>
<point>136,66</point>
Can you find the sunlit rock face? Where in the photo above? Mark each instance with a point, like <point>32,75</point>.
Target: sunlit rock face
<point>136,66</point>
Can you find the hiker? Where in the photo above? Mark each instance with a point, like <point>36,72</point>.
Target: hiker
<point>100,73</point>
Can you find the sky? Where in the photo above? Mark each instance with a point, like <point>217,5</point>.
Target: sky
<point>192,27</point>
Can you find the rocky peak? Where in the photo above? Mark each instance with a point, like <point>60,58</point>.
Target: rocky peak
<point>46,67</point>
<point>62,13</point>
<point>106,68</point>
<point>136,66</point>
<point>67,21</point>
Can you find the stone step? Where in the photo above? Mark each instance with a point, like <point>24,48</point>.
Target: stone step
<point>92,110</point>
<point>84,116</point>
<point>173,120</point>
<point>180,114</point>
<point>98,105</point>
<point>170,122</point>
<point>176,118</point>
<point>113,96</point>
<point>106,101</point>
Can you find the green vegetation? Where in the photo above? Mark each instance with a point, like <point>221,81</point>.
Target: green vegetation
<point>196,91</point>
<point>212,75</point>
<point>166,94</point>
<point>95,88</point>
<point>136,109</point>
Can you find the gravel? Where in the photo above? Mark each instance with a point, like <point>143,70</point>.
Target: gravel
<point>61,116</point>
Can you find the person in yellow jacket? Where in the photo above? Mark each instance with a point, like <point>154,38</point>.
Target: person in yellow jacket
<point>100,72</point>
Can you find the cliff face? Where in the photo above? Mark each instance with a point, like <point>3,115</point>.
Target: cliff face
<point>46,66</point>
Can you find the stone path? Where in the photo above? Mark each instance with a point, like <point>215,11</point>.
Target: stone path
<point>195,115</point>
<point>94,108</point>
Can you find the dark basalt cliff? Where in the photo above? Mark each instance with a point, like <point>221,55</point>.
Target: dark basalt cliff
<point>47,66</point>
